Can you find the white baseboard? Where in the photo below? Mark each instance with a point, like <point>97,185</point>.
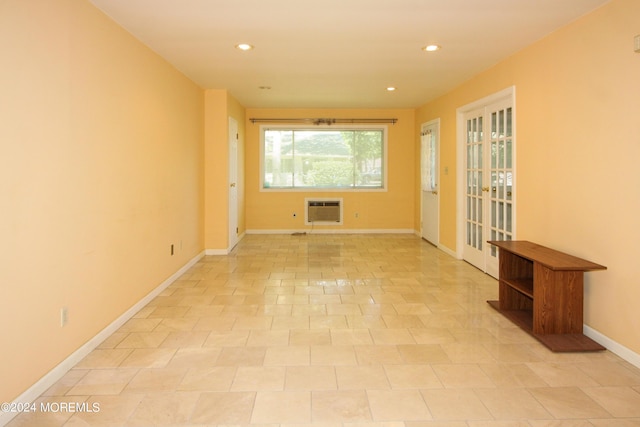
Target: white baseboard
<point>448,251</point>
<point>209,252</point>
<point>318,230</point>
<point>226,251</point>
<point>440,246</point>
<point>613,346</point>
<point>50,378</point>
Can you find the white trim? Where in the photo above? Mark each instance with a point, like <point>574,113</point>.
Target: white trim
<point>227,251</point>
<point>613,346</point>
<point>439,246</point>
<point>506,93</point>
<point>336,231</point>
<point>210,252</point>
<point>448,251</point>
<point>51,377</point>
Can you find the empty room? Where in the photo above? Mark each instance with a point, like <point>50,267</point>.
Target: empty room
<point>384,213</point>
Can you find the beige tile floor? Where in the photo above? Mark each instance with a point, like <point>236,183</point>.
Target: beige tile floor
<point>337,330</point>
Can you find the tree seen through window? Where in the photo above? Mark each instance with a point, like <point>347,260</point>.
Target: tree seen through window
<point>331,158</point>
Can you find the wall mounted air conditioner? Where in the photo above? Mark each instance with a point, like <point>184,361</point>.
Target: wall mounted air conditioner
<point>323,211</point>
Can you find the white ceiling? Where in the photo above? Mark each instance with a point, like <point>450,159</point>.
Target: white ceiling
<point>338,53</point>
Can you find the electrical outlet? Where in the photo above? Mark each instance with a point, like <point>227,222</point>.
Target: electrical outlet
<point>357,215</point>
<point>64,316</point>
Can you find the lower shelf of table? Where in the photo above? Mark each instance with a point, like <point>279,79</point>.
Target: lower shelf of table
<point>555,342</point>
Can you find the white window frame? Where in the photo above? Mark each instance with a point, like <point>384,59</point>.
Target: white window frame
<point>385,170</point>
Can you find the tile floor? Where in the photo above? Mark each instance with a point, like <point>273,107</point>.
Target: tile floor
<point>337,330</point>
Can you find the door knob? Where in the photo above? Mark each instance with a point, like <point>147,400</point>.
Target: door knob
<point>233,184</point>
<point>485,188</point>
<point>435,193</point>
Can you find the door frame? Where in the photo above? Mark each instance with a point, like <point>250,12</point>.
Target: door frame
<point>508,93</point>
<point>423,126</point>
<point>233,136</point>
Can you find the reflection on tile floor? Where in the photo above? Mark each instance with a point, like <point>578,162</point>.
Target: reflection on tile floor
<point>337,330</point>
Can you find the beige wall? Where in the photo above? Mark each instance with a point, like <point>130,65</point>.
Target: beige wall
<point>578,145</point>
<point>390,210</point>
<point>216,170</point>
<point>101,170</point>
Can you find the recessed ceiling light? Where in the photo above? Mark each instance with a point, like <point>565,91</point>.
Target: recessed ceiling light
<point>391,89</point>
<point>431,48</point>
<point>244,46</point>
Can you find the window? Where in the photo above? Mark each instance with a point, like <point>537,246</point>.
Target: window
<point>336,158</point>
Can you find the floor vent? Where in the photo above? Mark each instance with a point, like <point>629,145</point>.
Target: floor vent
<point>323,211</point>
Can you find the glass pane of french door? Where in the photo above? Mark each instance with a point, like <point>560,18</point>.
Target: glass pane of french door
<point>501,194</point>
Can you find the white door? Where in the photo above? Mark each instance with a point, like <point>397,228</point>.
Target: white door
<point>489,144</point>
<point>429,168</point>
<point>233,183</point>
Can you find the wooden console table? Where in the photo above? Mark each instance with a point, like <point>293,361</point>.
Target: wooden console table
<point>541,290</point>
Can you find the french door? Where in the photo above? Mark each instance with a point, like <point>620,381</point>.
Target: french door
<point>489,191</point>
